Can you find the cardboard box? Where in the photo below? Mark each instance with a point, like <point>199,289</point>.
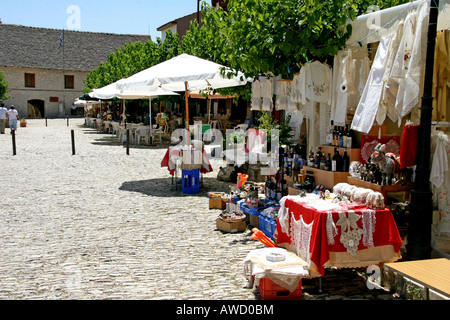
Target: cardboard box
<point>235,226</point>
<point>254,221</point>
<point>216,203</point>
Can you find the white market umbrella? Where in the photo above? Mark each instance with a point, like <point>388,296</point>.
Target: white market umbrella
<point>104,93</point>
<point>111,91</point>
<point>183,73</point>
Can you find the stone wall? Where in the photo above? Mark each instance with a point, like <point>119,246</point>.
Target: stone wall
<point>49,87</point>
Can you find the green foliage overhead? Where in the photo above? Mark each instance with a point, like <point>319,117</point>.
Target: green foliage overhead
<point>255,37</point>
<point>132,58</point>
<point>4,87</point>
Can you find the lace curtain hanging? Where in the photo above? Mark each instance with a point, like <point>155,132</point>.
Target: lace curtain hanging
<point>301,237</point>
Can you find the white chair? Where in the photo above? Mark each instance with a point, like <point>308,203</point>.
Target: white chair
<point>115,127</point>
<point>142,132</point>
<point>242,126</point>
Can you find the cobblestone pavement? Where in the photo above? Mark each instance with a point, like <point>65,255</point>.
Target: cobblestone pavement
<point>102,224</point>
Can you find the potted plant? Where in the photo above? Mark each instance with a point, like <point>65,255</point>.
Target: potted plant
<point>23,122</point>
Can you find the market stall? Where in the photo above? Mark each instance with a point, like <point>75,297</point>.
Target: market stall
<point>327,233</point>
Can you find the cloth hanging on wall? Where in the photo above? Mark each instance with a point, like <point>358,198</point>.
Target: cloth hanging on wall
<point>315,82</point>
<point>283,92</point>
<point>351,69</point>
<point>408,148</point>
<point>440,178</point>
<point>267,93</point>
<point>408,94</point>
<point>256,95</point>
<point>441,81</point>
<point>368,105</point>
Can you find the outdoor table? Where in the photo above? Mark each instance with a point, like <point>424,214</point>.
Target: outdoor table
<point>345,237</point>
<point>176,153</point>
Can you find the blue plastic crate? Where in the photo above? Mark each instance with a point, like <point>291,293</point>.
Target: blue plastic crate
<point>190,181</point>
<point>252,211</point>
<point>267,225</point>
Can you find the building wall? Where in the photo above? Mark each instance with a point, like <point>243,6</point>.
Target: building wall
<point>49,87</point>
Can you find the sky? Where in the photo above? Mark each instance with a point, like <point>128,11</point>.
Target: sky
<point>141,17</point>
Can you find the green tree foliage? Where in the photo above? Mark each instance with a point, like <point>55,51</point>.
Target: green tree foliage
<point>261,36</point>
<point>132,58</point>
<point>255,37</point>
<point>3,87</point>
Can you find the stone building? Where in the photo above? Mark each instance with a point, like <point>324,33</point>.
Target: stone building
<point>46,68</point>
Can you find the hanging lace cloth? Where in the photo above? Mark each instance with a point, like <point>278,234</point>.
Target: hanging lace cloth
<point>283,91</point>
<point>409,93</point>
<point>295,97</point>
<point>331,228</point>
<point>368,220</point>
<point>256,95</point>
<point>267,94</point>
<point>301,237</point>
<point>368,105</point>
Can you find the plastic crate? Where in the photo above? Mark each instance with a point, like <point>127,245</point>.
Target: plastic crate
<point>190,181</point>
<point>252,211</point>
<point>269,290</point>
<point>268,226</point>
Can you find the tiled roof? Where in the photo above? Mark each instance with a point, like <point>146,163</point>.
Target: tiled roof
<point>22,46</point>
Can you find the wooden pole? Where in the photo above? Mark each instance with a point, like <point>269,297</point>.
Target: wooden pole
<point>186,93</point>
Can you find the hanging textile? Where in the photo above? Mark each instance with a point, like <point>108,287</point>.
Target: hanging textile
<point>408,148</point>
<point>295,96</point>
<point>301,237</point>
<point>256,95</point>
<point>351,69</point>
<point>440,178</point>
<point>267,93</point>
<point>390,85</point>
<point>368,105</point>
<point>283,91</point>
<point>396,72</point>
<point>409,90</point>
<point>315,82</point>
<point>441,81</point>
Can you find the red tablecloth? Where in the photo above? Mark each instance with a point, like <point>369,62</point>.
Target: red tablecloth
<point>168,160</point>
<point>384,247</point>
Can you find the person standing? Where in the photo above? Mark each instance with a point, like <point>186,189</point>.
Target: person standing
<point>13,116</point>
<point>3,112</point>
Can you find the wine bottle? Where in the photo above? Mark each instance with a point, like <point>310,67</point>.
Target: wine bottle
<point>341,137</point>
<point>328,163</point>
<point>345,162</point>
<point>322,163</point>
<point>329,137</point>
<point>349,138</point>
<point>336,161</point>
<point>344,137</point>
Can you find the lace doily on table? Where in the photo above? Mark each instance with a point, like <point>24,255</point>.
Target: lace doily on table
<point>350,232</point>
<point>301,237</point>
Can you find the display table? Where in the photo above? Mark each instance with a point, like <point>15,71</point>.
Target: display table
<point>190,158</point>
<point>349,237</point>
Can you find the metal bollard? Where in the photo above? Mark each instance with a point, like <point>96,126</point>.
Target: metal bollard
<point>73,142</point>
<point>128,141</point>
<point>13,134</point>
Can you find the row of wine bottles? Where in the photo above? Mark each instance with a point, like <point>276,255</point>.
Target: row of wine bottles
<point>339,136</point>
<point>335,163</point>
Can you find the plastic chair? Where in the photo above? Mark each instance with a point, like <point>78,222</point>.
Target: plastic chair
<point>142,132</point>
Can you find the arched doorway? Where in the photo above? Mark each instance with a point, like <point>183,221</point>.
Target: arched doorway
<point>36,108</point>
